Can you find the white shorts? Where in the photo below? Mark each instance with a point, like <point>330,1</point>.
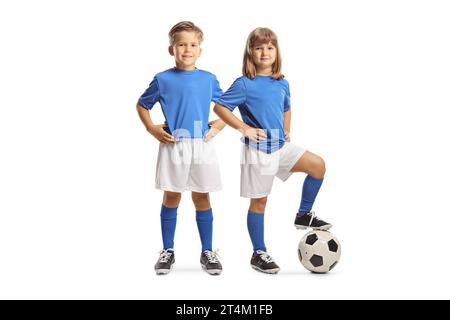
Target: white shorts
<point>258,169</point>
<point>188,164</point>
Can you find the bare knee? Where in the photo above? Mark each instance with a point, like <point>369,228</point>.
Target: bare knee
<point>318,168</point>
<point>171,199</point>
<point>201,201</point>
<point>258,205</point>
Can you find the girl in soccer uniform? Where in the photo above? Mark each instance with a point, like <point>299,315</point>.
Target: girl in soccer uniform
<point>263,98</point>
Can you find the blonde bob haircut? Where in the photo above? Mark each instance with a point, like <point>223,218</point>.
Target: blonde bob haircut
<point>256,38</point>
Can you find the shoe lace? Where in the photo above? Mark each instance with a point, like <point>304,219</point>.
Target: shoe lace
<point>264,256</point>
<point>164,255</point>
<point>313,216</point>
<point>212,256</point>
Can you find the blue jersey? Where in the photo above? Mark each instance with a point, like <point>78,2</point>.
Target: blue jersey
<point>185,98</point>
<point>262,102</point>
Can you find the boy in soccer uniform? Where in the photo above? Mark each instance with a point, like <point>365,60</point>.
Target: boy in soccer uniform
<point>187,159</point>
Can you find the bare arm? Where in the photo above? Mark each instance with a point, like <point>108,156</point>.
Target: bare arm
<point>230,119</point>
<point>216,126</point>
<point>155,130</point>
<point>287,125</point>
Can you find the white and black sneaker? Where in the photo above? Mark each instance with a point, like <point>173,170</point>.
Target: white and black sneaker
<point>210,262</point>
<point>165,261</point>
<point>263,262</point>
<point>310,220</point>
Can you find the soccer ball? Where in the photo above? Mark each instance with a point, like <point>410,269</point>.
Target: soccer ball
<point>319,251</point>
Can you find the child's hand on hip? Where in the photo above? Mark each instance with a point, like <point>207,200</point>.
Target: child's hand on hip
<point>254,134</point>
<point>212,132</point>
<point>287,136</point>
<point>160,134</point>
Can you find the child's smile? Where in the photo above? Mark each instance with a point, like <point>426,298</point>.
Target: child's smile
<point>186,50</point>
<point>264,56</point>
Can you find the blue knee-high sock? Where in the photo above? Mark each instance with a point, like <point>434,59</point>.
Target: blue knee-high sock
<point>168,224</point>
<point>255,225</point>
<point>205,228</point>
<point>311,188</point>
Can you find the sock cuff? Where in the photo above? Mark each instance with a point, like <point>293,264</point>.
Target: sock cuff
<point>255,214</point>
<point>168,213</point>
<point>204,215</point>
<point>313,179</point>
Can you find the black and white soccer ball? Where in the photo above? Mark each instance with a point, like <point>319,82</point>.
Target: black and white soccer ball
<point>319,251</point>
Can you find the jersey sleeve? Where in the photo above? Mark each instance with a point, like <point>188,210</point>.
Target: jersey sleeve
<point>150,96</point>
<point>234,96</point>
<point>287,99</point>
<point>216,90</point>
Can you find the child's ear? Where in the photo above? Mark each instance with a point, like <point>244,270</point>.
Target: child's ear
<point>200,52</point>
<point>171,50</point>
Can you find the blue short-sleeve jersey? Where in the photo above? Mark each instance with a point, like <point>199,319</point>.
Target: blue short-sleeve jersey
<point>262,102</point>
<point>185,98</point>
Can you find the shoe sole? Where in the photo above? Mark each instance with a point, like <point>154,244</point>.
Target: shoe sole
<point>268,271</point>
<point>323,228</point>
<point>214,272</point>
<point>160,272</point>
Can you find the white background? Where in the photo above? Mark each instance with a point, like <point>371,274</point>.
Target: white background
<point>79,213</point>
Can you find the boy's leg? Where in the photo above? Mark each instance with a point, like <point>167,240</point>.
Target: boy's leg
<point>171,200</point>
<point>314,167</point>
<point>171,176</point>
<point>204,217</point>
<point>169,208</point>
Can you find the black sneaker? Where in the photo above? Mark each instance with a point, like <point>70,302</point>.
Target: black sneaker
<point>210,263</point>
<point>261,261</point>
<point>309,220</point>
<point>165,261</point>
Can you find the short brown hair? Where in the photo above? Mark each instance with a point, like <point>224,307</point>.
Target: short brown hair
<point>257,37</point>
<point>184,26</point>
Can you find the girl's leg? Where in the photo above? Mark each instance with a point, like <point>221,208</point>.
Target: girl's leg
<point>171,200</point>
<point>311,164</point>
<point>260,260</point>
<point>314,167</point>
<point>255,223</point>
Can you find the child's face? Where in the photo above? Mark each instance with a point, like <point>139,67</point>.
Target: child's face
<point>186,50</point>
<point>264,55</point>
